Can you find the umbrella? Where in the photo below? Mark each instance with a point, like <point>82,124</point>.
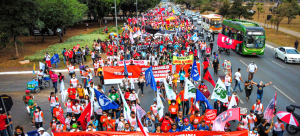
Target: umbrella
<point>287,117</point>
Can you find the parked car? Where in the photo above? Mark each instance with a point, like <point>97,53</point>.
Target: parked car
<point>195,18</point>
<point>288,54</point>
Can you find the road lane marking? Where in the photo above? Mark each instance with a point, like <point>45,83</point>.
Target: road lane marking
<point>284,94</point>
<point>243,62</point>
<point>238,97</point>
<point>269,46</point>
<point>278,64</point>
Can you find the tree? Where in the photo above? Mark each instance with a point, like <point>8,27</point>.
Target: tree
<point>58,14</point>
<point>281,14</point>
<point>260,8</point>
<point>237,10</point>
<point>224,10</point>
<point>16,18</point>
<point>293,10</point>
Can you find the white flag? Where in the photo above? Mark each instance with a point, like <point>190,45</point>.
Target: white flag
<point>42,66</point>
<point>169,91</point>
<point>232,102</point>
<point>126,110</point>
<point>131,38</point>
<point>131,84</point>
<point>189,89</point>
<point>220,92</point>
<point>160,105</point>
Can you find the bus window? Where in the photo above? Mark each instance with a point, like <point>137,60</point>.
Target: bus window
<point>216,23</point>
<point>207,21</point>
<point>255,41</point>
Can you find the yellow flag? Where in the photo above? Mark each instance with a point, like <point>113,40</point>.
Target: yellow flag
<point>33,69</point>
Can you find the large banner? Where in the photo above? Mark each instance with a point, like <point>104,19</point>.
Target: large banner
<point>186,133</point>
<point>135,62</point>
<point>228,115</point>
<point>115,74</point>
<point>183,60</point>
<point>226,42</point>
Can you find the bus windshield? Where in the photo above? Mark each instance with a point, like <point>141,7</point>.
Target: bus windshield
<point>253,41</point>
<point>216,22</point>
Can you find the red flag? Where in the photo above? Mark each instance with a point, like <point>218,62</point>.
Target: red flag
<point>61,115</point>
<point>186,23</point>
<point>208,77</point>
<point>168,22</point>
<point>270,110</point>
<point>85,116</point>
<point>226,42</point>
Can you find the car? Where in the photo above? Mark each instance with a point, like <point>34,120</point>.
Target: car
<point>197,14</point>
<point>193,14</point>
<point>288,54</point>
<point>199,21</point>
<point>195,18</point>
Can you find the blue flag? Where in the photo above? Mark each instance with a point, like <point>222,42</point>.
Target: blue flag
<point>55,59</point>
<point>105,102</point>
<point>171,37</point>
<point>125,69</point>
<point>194,73</point>
<point>194,37</point>
<point>33,133</point>
<point>150,78</point>
<point>201,97</point>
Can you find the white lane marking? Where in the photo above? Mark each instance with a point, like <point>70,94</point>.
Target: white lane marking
<point>278,64</point>
<point>243,62</point>
<point>238,97</point>
<point>269,46</point>
<point>284,94</point>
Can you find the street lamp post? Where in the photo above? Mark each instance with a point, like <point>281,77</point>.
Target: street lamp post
<point>116,17</point>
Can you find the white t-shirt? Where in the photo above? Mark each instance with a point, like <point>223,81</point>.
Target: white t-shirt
<point>252,67</point>
<point>237,76</point>
<point>251,122</point>
<point>227,81</point>
<point>40,73</point>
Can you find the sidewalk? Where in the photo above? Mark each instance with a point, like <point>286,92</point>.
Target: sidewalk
<point>288,31</point>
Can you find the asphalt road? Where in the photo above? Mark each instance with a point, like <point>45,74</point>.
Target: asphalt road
<point>284,78</point>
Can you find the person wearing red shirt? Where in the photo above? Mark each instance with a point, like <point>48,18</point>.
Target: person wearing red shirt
<point>72,92</point>
<point>205,66</point>
<point>166,123</point>
<point>110,123</point>
<point>182,52</point>
<point>173,109</point>
<point>185,103</point>
<point>3,125</point>
<point>70,55</point>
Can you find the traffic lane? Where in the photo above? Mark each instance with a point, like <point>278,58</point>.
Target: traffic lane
<point>270,71</point>
<point>20,115</point>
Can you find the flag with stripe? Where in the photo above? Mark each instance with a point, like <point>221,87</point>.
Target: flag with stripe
<point>140,113</point>
<point>271,109</point>
<point>126,111</point>
<point>61,115</point>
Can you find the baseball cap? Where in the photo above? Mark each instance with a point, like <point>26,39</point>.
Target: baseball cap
<point>27,91</point>
<point>41,129</point>
<point>186,120</point>
<point>251,111</point>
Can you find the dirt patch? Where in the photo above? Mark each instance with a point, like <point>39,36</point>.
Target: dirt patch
<point>7,61</point>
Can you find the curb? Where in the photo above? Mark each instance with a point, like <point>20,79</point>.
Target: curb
<point>30,72</point>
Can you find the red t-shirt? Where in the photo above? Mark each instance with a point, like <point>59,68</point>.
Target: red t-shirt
<point>165,125</point>
<point>205,63</point>
<point>72,92</point>
<point>70,54</point>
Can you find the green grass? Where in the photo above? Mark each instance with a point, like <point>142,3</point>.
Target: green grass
<point>82,40</point>
<point>110,29</point>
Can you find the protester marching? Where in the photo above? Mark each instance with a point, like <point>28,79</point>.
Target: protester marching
<point>160,50</point>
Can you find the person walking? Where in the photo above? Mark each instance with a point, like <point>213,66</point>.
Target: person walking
<point>181,76</point>
<point>211,45</point>
<point>238,79</point>
<point>53,99</point>
<point>215,66</point>
<point>252,68</point>
<point>141,82</point>
<point>260,89</point>
<point>248,87</point>
<point>228,81</point>
<point>296,44</point>
<point>54,78</point>
<point>278,128</point>
<point>62,86</point>
<point>38,118</point>
<point>205,66</point>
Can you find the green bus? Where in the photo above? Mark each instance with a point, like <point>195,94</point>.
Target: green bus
<point>252,35</point>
